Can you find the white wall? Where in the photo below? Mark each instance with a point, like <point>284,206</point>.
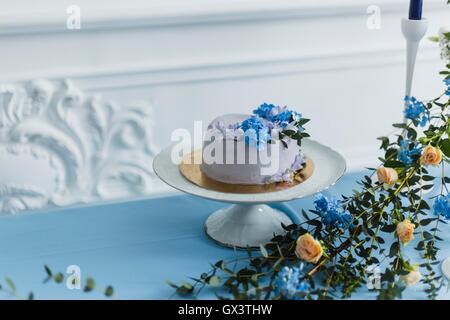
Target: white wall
<point>196,59</point>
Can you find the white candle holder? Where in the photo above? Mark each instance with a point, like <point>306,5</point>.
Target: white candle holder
<point>413,31</point>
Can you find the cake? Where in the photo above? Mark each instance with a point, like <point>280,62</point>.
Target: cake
<point>261,148</point>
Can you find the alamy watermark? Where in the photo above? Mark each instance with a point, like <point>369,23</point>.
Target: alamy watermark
<point>227,146</point>
<point>373,22</point>
<point>73,281</point>
<point>73,21</point>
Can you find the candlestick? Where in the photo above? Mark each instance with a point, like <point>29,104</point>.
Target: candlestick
<point>415,10</point>
<point>413,31</point>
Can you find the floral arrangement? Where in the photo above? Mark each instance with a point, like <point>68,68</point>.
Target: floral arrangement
<point>268,122</point>
<point>331,254</point>
<point>286,123</point>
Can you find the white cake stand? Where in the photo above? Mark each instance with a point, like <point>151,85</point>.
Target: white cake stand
<point>249,222</point>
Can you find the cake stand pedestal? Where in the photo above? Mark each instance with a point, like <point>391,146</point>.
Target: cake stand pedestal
<point>244,224</point>
<point>250,222</point>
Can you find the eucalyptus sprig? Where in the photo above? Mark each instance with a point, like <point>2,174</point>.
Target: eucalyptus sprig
<point>8,287</point>
<point>367,229</point>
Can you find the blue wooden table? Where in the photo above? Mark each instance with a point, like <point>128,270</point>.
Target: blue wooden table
<point>135,246</point>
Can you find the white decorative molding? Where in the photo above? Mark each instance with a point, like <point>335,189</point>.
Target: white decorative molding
<point>60,147</point>
<point>104,15</point>
<point>132,75</point>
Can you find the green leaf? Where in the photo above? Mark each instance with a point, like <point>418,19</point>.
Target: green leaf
<point>220,264</point>
<point>90,284</point>
<point>425,222</point>
<point>11,285</point>
<point>434,38</point>
<point>427,235</point>
<point>171,284</point>
<point>289,132</point>
<point>445,147</point>
<point>389,228</point>
<point>58,278</point>
<point>48,271</point>
<point>394,164</point>
<point>393,251</point>
<point>109,291</point>
<point>400,125</point>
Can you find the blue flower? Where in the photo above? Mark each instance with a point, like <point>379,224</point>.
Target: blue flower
<point>290,283</point>
<point>265,111</point>
<point>408,151</point>
<point>283,117</point>
<point>441,206</point>
<point>321,203</point>
<point>331,211</point>
<point>415,110</point>
<point>447,83</point>
<point>254,123</point>
<point>256,132</point>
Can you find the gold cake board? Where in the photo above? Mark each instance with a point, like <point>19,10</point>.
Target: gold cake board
<point>190,169</point>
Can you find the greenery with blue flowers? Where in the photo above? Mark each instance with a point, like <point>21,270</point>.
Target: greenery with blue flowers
<point>332,252</point>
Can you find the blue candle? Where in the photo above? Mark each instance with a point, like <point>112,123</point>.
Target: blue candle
<point>415,10</point>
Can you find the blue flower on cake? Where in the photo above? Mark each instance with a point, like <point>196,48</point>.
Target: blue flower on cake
<point>331,211</point>
<point>407,151</point>
<point>290,283</point>
<point>441,206</point>
<point>266,111</point>
<point>256,132</point>
<point>279,117</point>
<point>283,118</point>
<point>415,110</point>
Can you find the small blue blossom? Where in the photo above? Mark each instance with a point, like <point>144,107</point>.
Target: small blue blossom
<point>275,117</point>
<point>256,132</point>
<point>407,151</point>
<point>254,123</point>
<point>277,114</point>
<point>321,203</point>
<point>415,110</point>
<point>283,117</point>
<point>290,283</point>
<point>331,211</point>
<point>441,206</point>
<point>265,111</point>
<point>447,83</point>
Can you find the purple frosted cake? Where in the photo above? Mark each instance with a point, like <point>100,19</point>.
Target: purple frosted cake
<point>261,148</point>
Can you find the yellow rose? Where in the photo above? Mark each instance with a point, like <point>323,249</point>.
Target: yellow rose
<point>405,231</point>
<point>431,156</point>
<point>412,277</point>
<point>308,248</point>
<point>387,175</point>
